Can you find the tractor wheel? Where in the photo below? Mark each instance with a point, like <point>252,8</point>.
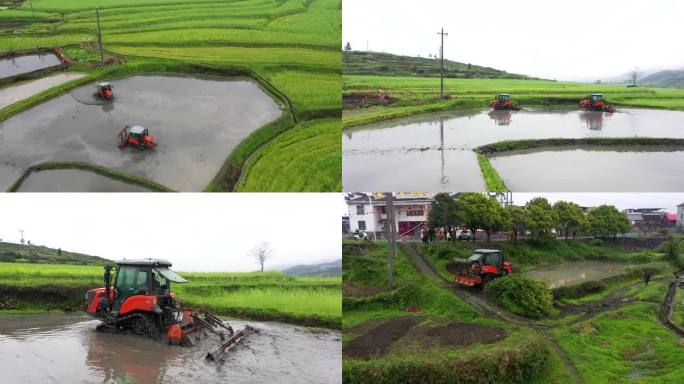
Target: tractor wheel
<point>486,279</point>
<point>139,325</point>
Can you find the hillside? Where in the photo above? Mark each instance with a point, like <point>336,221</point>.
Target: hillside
<point>329,269</point>
<point>664,79</point>
<point>387,64</point>
<point>11,252</point>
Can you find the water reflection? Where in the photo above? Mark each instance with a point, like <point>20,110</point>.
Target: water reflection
<point>593,119</point>
<point>501,117</point>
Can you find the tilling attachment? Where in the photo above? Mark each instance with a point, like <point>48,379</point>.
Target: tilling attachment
<point>233,340</point>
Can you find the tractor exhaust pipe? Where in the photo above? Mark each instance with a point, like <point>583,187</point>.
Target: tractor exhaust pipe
<point>107,279</point>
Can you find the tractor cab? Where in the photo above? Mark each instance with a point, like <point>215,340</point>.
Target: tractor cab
<point>144,277</point>
<point>504,97</point>
<point>104,90</point>
<point>595,98</point>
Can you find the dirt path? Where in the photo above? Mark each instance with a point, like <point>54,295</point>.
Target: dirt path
<point>489,309</point>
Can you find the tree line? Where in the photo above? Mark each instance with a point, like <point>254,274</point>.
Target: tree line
<point>538,216</point>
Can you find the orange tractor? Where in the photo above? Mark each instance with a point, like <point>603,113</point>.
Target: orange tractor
<point>138,297</point>
<point>480,268</point>
<point>503,103</point>
<point>136,136</point>
<point>104,90</point>
<point>595,102</point>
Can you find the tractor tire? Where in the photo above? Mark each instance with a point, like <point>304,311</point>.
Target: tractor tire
<point>138,325</point>
<point>145,324</point>
<point>486,279</point>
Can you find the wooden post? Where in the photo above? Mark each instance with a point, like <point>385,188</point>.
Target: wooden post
<point>391,238</point>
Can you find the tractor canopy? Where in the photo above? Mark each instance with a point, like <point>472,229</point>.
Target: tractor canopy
<point>104,85</point>
<point>504,97</point>
<point>137,130</point>
<point>596,97</point>
<point>486,256</point>
<point>171,275</point>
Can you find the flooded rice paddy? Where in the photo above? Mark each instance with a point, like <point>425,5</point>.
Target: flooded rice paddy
<point>196,122</point>
<point>67,349</point>
<point>576,272</point>
<point>12,94</point>
<point>591,169</point>
<point>16,65</point>
<point>436,149</point>
<point>75,180</point>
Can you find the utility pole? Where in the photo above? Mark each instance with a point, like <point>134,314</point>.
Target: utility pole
<point>22,236</point>
<point>32,11</point>
<point>441,66</point>
<point>391,238</point>
<point>99,35</point>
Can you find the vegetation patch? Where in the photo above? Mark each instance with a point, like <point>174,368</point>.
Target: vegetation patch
<point>492,179</point>
<point>522,295</point>
<point>513,145</point>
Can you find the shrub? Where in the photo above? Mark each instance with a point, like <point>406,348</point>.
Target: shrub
<point>522,295</point>
<point>597,242</point>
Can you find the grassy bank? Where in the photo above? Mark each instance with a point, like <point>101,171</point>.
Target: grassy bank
<point>260,296</point>
<point>290,47</point>
<point>413,95</point>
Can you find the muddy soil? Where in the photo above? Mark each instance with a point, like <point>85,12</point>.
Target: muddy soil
<point>435,151</point>
<point>67,349</point>
<point>75,180</point>
<point>16,65</point>
<point>450,335</point>
<point>12,94</point>
<point>196,122</point>
<point>376,341</point>
<point>591,170</point>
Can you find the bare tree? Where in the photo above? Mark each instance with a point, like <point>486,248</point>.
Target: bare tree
<point>261,252</point>
<point>348,47</point>
<point>634,74</point>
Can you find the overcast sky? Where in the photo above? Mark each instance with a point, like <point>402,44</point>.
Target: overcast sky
<point>196,232</point>
<point>565,40</point>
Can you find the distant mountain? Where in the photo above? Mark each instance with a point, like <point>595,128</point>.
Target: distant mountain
<point>11,252</point>
<point>664,79</point>
<point>387,64</point>
<point>333,268</point>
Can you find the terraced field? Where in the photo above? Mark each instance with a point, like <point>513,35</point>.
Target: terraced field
<point>291,45</point>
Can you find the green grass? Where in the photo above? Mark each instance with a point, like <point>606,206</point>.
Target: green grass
<point>257,295</point>
<point>306,158</point>
<point>291,44</point>
<point>627,346</point>
<point>492,179</point>
<point>420,94</point>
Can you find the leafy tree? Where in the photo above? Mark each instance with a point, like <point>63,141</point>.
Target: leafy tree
<point>444,212</point>
<point>606,221</point>
<point>673,253</point>
<point>540,217</point>
<point>481,211</point>
<point>516,220</point>
<point>570,217</point>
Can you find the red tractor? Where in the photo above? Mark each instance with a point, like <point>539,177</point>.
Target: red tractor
<point>595,102</point>
<point>136,136</point>
<point>140,300</point>
<point>482,267</point>
<point>503,103</point>
<point>104,90</point>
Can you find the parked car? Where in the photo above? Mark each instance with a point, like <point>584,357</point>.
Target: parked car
<point>464,234</point>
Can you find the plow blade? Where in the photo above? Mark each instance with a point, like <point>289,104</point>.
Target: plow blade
<point>227,344</point>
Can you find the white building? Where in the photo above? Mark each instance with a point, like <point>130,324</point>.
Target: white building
<point>368,212</point>
<point>680,215</point>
